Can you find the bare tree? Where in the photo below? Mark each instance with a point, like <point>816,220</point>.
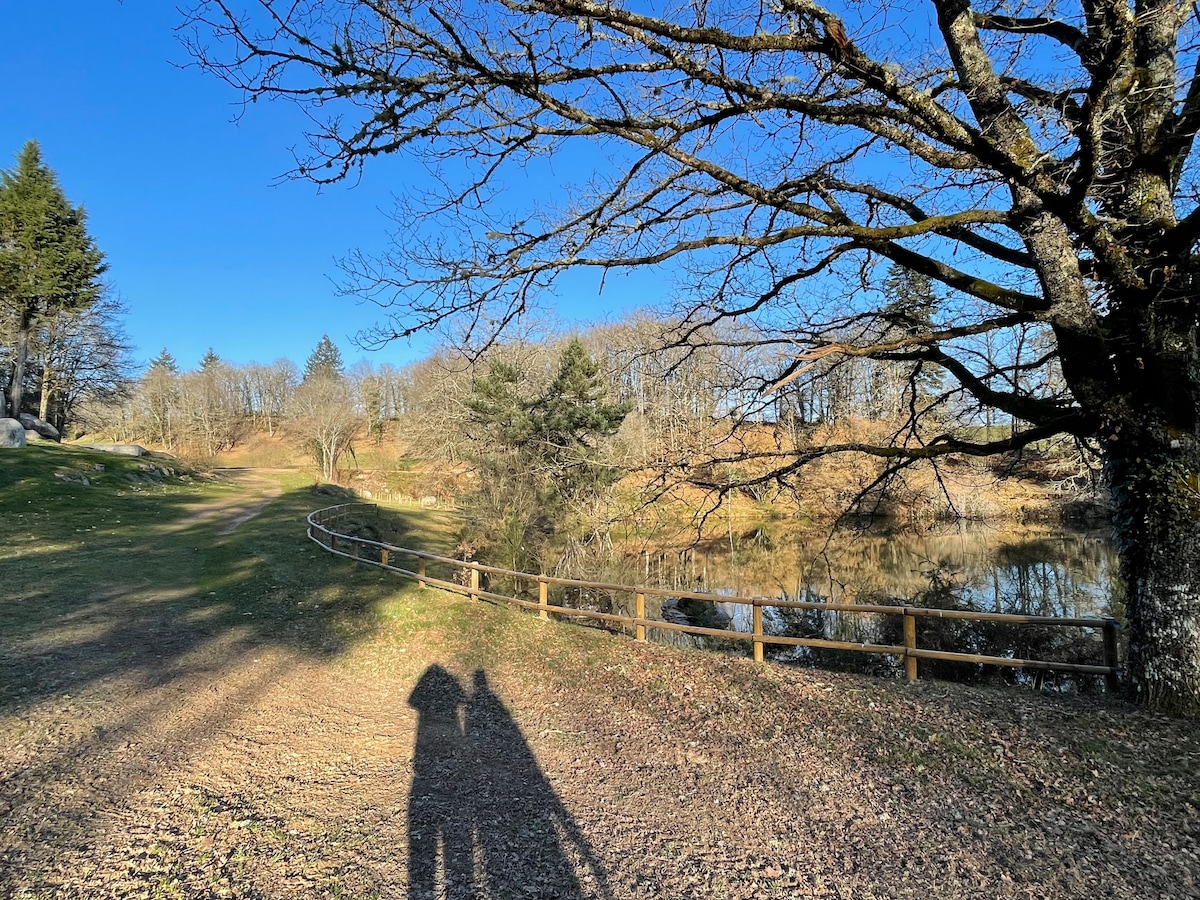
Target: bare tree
<point>323,417</point>
<point>268,391</point>
<point>209,407</point>
<point>1035,159</point>
<point>370,390</point>
<point>84,358</point>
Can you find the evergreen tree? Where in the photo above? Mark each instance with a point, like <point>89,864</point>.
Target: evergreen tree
<point>210,361</point>
<point>497,405</point>
<point>48,261</point>
<point>912,304</point>
<point>164,362</point>
<point>540,458</point>
<point>325,361</point>
<point>559,431</point>
<point>570,419</point>
<point>911,299</point>
<point>160,392</point>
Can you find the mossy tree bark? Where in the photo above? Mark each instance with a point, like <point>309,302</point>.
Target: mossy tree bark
<point>1151,439</point>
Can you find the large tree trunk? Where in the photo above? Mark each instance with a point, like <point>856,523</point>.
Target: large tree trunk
<point>18,382</point>
<point>1154,473</point>
<point>47,390</point>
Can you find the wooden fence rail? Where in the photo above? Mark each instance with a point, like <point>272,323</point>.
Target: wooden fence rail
<point>351,547</point>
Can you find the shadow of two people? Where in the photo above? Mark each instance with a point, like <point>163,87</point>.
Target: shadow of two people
<point>483,821</point>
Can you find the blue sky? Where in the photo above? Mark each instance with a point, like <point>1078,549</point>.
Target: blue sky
<point>204,244</point>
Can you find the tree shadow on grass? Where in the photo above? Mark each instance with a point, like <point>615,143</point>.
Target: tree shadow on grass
<point>134,631</point>
<point>483,820</point>
<point>136,585</point>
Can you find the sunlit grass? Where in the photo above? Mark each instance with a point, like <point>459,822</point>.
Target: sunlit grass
<point>88,565</point>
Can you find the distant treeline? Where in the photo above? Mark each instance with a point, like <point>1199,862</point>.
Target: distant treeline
<point>703,405</point>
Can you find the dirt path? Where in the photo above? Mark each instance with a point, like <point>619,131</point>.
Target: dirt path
<point>521,760</point>
<point>254,489</point>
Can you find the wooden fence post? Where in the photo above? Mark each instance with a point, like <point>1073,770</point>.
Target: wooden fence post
<point>543,597</point>
<point>910,643</point>
<point>421,572</point>
<point>639,612</point>
<point>354,550</point>
<point>474,584</point>
<point>332,541</point>
<point>383,555</point>
<point>756,617</point>
<point>1112,655</point>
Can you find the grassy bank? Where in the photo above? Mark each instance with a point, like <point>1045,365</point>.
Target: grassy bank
<point>198,702</point>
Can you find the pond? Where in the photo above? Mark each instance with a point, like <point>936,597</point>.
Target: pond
<point>1040,572</point>
<point>1026,571</point>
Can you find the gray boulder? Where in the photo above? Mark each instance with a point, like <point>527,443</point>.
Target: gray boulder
<point>691,611</point>
<point>119,449</point>
<point>45,429</point>
<point>12,434</point>
<point>72,476</point>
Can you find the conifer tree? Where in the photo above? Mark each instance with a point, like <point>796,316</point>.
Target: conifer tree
<point>160,390</point>
<point>540,457</point>
<point>210,361</point>
<point>164,362</point>
<point>48,261</point>
<point>325,361</point>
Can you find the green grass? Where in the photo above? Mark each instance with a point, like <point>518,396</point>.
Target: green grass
<point>127,572</point>
<point>118,577</point>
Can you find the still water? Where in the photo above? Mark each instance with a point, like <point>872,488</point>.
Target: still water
<point>1025,571</point>
<point>1033,572</point>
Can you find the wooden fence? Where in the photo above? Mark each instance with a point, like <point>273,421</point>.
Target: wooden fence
<point>362,550</point>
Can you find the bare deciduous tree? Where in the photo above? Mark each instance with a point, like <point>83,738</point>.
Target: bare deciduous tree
<point>1035,159</point>
<point>268,391</point>
<point>84,357</point>
<point>322,416</point>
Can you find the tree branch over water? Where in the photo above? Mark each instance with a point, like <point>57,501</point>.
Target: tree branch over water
<point>1035,164</point>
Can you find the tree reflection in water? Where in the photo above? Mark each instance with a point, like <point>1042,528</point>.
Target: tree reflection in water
<point>483,821</point>
<point>1033,572</point>
<point>972,567</point>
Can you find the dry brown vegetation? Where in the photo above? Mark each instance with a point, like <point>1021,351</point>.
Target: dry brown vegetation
<point>1034,489</point>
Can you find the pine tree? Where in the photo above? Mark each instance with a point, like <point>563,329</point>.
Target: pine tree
<point>570,418</point>
<point>557,431</point>
<point>160,390</point>
<point>912,300</point>
<point>164,362</point>
<point>910,310</point>
<point>539,457</point>
<point>210,361</point>
<point>497,404</point>
<point>48,261</point>
<point>325,361</point>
